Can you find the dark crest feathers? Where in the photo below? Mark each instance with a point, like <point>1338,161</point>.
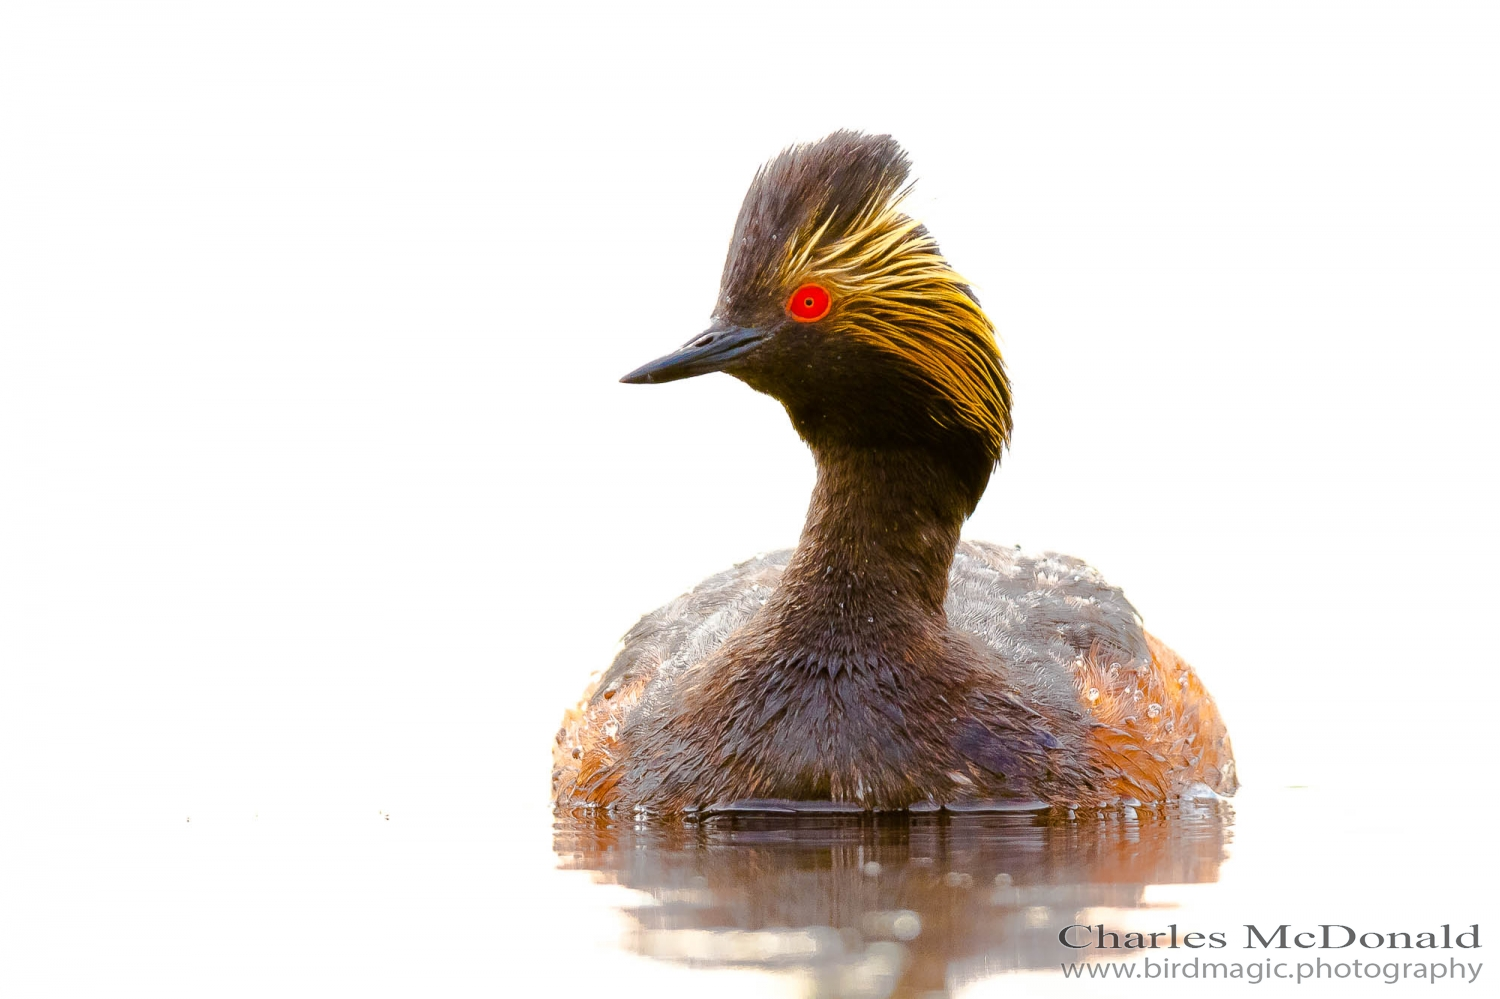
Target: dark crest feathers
<point>833,180</point>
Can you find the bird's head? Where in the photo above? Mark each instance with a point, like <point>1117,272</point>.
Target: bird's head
<point>841,307</point>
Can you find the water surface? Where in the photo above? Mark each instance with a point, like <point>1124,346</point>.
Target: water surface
<point>887,906</point>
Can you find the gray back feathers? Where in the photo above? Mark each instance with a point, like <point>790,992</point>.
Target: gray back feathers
<point>1038,614</point>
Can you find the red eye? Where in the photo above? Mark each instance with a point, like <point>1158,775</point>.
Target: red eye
<point>809,303</point>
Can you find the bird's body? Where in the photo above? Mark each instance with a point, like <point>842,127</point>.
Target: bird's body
<point>882,664</point>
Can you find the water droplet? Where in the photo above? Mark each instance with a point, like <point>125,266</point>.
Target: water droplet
<point>906,926</point>
<point>1093,694</point>
<point>1152,710</point>
<point>870,619</point>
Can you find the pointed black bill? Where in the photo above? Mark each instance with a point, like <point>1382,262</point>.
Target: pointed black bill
<point>712,350</point>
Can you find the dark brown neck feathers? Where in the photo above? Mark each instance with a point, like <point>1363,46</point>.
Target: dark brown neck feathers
<point>870,572</point>
<point>852,646</point>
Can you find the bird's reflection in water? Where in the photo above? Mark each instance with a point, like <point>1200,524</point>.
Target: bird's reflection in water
<point>889,906</point>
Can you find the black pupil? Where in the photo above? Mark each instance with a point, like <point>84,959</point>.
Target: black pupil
<point>807,302</point>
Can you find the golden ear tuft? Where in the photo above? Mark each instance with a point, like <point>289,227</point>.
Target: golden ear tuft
<point>897,292</point>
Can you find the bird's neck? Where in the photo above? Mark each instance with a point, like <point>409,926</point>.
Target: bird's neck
<point>870,572</point>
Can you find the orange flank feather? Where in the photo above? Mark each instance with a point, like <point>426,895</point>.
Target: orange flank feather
<point>1155,723</point>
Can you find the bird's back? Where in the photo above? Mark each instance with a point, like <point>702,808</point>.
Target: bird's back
<point>1054,634</point>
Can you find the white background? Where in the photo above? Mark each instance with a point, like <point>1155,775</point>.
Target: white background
<point>319,500</point>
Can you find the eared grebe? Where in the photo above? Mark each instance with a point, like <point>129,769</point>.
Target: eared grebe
<point>883,664</point>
